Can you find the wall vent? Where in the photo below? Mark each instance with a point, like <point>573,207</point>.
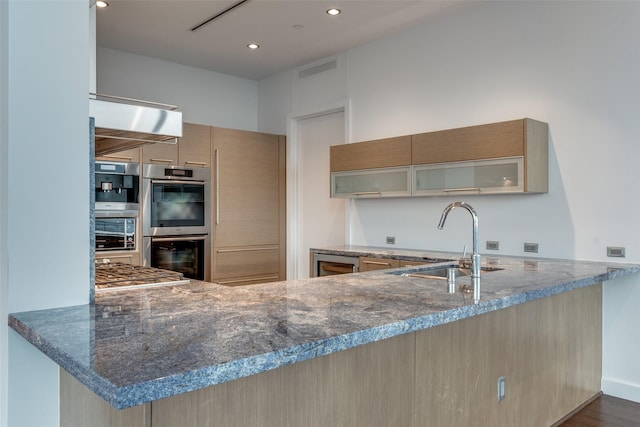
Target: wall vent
<point>316,69</point>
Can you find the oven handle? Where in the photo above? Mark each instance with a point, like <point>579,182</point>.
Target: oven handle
<point>262,248</point>
<point>178,239</point>
<point>176,181</point>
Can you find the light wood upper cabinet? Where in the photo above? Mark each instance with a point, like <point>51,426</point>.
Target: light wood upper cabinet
<point>381,153</point>
<point>192,150</point>
<point>493,158</point>
<point>379,168</point>
<point>488,141</point>
<point>505,157</point>
<point>127,156</point>
<point>160,153</point>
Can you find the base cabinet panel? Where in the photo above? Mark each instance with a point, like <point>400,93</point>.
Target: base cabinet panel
<point>548,351</point>
<point>80,407</point>
<point>246,265</point>
<point>365,386</point>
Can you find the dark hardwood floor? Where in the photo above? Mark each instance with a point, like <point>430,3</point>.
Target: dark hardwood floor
<point>606,411</point>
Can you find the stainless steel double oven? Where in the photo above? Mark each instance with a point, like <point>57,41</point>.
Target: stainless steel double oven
<point>176,219</point>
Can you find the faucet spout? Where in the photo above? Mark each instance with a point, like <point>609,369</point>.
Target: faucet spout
<point>475,257</point>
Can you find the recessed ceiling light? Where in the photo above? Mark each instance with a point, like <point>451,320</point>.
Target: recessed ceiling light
<point>253,46</point>
<point>334,11</point>
<point>102,4</point>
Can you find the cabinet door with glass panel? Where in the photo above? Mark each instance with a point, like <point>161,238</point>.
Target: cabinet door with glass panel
<point>379,168</point>
<point>385,182</point>
<point>504,157</point>
<point>472,177</point>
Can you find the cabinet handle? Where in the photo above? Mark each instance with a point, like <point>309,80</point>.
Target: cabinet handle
<point>367,193</point>
<point>377,263</point>
<point>217,166</point>
<point>451,190</point>
<point>119,157</point>
<point>189,162</point>
<point>162,160</point>
<point>253,279</point>
<point>265,248</point>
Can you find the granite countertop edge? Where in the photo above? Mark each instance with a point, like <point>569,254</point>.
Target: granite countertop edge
<point>204,376</point>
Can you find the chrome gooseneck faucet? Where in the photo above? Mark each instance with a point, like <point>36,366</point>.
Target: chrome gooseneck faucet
<point>475,257</point>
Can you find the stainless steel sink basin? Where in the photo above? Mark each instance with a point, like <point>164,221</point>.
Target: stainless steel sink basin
<point>441,272</point>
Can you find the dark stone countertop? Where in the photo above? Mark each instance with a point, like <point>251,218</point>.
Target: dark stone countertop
<point>140,345</point>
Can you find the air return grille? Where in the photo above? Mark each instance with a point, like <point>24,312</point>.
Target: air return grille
<point>318,69</point>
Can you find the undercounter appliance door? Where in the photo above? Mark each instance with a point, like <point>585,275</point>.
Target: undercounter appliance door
<point>328,265</point>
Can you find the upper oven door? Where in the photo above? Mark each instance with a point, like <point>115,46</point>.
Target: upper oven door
<point>173,207</point>
<point>175,200</point>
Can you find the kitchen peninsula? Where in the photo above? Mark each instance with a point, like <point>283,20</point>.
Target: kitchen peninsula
<point>367,349</point>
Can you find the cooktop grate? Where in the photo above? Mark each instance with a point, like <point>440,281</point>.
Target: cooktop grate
<point>118,275</point>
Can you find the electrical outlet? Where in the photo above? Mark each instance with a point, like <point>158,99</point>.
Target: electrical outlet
<point>391,240</point>
<point>615,251</point>
<point>531,247</point>
<point>493,245</point>
<point>502,388</point>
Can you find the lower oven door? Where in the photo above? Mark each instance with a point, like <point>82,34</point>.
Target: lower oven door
<point>188,255</point>
<point>328,265</point>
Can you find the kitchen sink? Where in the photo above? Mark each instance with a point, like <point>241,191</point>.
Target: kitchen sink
<point>441,272</point>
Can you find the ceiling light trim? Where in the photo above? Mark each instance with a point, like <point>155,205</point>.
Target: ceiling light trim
<point>220,14</point>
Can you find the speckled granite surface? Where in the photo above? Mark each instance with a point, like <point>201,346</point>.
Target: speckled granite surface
<point>136,346</point>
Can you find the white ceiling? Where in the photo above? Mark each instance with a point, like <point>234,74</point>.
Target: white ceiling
<point>162,29</point>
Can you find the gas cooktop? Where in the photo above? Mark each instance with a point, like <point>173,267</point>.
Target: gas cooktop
<point>119,276</point>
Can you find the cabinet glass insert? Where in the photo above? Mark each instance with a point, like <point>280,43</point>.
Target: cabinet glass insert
<point>371,183</point>
<point>495,176</point>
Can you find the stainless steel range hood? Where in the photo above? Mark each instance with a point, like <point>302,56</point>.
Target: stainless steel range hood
<point>123,123</point>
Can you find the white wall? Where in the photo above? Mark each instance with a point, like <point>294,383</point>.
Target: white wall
<point>320,220</point>
<point>45,160</point>
<point>566,63</point>
<point>203,96</point>
<point>4,176</point>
